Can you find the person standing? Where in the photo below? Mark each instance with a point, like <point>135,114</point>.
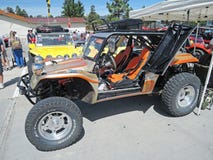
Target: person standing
<point>4,58</point>
<point>30,37</point>
<point>1,67</point>
<point>17,50</point>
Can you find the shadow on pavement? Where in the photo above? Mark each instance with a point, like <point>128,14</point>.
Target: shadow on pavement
<point>11,81</point>
<point>119,106</point>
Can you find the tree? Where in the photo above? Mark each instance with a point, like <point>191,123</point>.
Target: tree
<point>24,13</point>
<point>20,12</point>
<point>39,16</point>
<point>93,16</point>
<point>118,9</point>
<point>79,9</point>
<point>72,9</point>
<point>10,10</point>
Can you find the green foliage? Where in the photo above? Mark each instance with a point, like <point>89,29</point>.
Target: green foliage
<point>18,11</point>
<point>79,9</point>
<point>72,9</point>
<point>24,13</point>
<point>118,9</point>
<point>92,17</point>
<point>10,10</point>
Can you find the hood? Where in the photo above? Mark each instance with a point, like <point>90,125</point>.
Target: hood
<point>55,51</point>
<point>67,66</point>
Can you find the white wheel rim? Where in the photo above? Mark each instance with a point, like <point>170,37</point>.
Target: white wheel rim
<point>55,125</point>
<point>186,96</point>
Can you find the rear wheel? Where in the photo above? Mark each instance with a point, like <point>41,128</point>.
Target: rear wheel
<point>181,94</point>
<point>198,53</point>
<point>53,123</point>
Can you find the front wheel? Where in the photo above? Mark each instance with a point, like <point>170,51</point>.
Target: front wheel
<point>181,94</point>
<point>53,123</point>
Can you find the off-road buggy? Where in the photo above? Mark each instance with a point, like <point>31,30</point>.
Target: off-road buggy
<point>150,63</point>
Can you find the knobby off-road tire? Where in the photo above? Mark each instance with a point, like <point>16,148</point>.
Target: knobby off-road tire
<point>53,123</point>
<point>181,94</point>
<point>198,53</point>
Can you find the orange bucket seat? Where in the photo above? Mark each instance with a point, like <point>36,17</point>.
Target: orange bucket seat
<point>133,68</point>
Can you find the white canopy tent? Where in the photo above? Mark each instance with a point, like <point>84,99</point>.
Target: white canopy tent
<point>179,10</point>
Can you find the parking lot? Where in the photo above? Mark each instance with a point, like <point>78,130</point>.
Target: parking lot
<point>129,128</point>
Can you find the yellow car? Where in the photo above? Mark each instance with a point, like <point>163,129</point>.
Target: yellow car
<point>52,46</point>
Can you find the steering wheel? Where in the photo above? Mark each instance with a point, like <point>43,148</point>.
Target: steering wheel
<point>108,61</point>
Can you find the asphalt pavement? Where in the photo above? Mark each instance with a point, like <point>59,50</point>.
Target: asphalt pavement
<point>130,128</point>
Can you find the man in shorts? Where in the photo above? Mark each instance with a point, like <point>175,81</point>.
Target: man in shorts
<point>1,67</point>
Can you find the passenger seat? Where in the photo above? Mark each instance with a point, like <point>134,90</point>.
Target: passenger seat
<point>133,68</point>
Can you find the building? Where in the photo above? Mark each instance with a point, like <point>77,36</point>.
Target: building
<point>73,24</point>
<point>12,22</point>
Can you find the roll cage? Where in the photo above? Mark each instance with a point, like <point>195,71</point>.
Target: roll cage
<point>163,45</point>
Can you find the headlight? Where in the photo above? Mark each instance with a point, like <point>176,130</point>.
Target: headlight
<point>66,56</point>
<point>49,57</point>
<point>74,55</point>
<point>37,68</point>
<point>59,57</point>
<point>38,60</point>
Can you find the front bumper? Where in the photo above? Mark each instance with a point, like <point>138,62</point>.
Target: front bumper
<point>25,89</point>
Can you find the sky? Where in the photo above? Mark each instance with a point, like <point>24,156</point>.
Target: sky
<point>38,7</point>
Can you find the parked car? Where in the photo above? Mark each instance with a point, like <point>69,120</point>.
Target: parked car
<point>154,26</point>
<point>196,39</point>
<point>197,49</point>
<point>152,66</point>
<point>52,43</point>
<point>206,33</point>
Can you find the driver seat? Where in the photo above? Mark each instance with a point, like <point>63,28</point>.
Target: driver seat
<point>121,58</point>
<point>132,70</point>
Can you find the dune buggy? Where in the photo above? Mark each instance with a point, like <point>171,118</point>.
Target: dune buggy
<point>150,63</point>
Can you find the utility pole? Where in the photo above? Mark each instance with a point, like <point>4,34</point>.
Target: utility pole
<point>48,7</point>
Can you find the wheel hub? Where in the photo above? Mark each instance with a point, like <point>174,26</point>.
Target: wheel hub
<point>55,126</point>
<point>186,96</point>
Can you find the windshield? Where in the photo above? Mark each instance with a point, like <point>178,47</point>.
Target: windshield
<point>51,39</point>
<point>93,47</point>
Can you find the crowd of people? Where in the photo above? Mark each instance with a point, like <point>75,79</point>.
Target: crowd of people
<point>16,49</point>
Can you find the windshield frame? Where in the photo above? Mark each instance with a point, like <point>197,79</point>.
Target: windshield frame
<point>50,36</point>
<point>88,44</point>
